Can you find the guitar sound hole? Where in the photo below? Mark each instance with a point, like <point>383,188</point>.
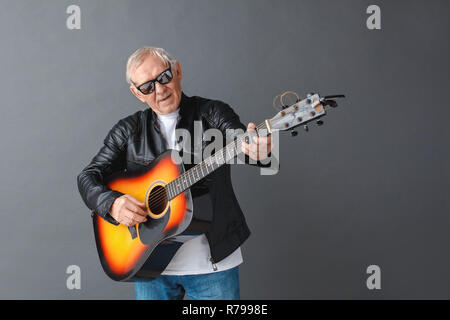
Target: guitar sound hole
<point>157,200</point>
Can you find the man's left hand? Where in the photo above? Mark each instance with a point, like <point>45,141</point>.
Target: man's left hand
<point>260,148</point>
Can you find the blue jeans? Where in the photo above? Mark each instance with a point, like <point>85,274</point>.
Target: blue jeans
<point>222,285</point>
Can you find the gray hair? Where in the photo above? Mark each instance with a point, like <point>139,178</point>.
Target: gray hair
<point>136,59</point>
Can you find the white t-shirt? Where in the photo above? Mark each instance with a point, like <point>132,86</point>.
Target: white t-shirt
<point>193,257</point>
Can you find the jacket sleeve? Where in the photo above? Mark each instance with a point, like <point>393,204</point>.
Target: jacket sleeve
<point>223,117</point>
<point>110,158</point>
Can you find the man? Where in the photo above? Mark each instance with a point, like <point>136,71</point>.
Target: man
<point>206,266</point>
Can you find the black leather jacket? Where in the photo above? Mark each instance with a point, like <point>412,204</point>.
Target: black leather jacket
<point>135,141</point>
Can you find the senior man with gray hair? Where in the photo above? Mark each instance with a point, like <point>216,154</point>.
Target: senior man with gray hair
<point>206,266</point>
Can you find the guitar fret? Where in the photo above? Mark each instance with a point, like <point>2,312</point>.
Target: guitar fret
<point>193,174</point>
<point>222,158</point>
<point>198,174</point>
<point>229,153</point>
<point>208,165</point>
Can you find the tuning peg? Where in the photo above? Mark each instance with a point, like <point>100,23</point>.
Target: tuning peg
<point>294,133</point>
<point>306,127</point>
<point>328,100</point>
<point>335,96</point>
<point>319,122</point>
<point>330,103</point>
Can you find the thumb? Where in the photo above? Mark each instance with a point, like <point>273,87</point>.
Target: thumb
<point>251,126</point>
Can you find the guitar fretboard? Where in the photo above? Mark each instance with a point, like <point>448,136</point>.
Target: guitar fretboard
<point>210,164</point>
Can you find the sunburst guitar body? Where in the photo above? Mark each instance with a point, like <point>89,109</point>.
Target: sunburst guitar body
<point>143,250</point>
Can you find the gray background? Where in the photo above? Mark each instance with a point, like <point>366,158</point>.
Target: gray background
<point>369,187</point>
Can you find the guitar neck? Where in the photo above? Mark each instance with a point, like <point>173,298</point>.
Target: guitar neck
<point>210,164</point>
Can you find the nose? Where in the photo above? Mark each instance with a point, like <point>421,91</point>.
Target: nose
<point>159,88</point>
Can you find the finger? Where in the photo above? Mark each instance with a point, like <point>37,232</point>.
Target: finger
<point>244,147</point>
<point>138,218</point>
<point>253,148</point>
<point>136,201</point>
<point>262,140</point>
<point>135,208</point>
<point>135,218</point>
<point>139,204</point>
<point>253,155</point>
<point>127,222</point>
<point>264,144</point>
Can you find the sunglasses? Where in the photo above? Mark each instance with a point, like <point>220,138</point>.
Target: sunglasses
<point>149,86</point>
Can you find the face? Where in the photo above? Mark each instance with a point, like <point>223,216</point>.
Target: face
<point>166,97</point>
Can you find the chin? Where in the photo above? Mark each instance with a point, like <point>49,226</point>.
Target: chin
<point>167,109</point>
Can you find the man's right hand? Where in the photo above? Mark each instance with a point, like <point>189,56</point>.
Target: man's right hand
<point>128,210</point>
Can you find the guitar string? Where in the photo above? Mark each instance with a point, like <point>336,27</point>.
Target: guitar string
<point>161,195</point>
<point>238,143</point>
<point>221,152</point>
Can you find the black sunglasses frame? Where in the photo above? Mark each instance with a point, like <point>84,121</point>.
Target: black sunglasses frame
<point>154,80</point>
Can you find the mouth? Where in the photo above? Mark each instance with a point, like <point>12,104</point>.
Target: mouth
<point>164,99</point>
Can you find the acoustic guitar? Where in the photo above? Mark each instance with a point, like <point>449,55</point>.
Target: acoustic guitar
<point>144,250</point>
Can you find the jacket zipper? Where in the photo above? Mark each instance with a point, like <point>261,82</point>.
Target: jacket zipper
<point>213,264</point>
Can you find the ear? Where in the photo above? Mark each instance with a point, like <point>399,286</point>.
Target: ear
<point>179,71</point>
<point>136,93</point>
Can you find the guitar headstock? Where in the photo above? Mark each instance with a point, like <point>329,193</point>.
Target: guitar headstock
<point>302,112</point>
